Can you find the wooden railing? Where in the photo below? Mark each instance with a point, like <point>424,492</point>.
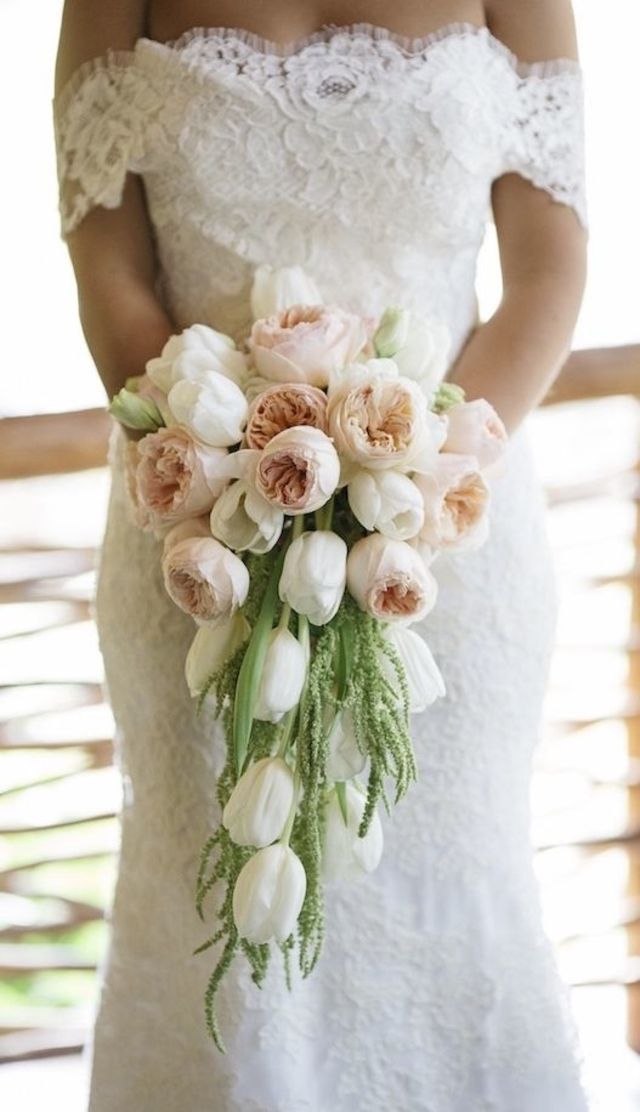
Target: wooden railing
<point>45,591</point>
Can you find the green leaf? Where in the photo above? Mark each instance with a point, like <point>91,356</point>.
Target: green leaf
<point>252,665</point>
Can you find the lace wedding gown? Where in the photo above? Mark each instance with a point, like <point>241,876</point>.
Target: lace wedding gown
<point>368,159</point>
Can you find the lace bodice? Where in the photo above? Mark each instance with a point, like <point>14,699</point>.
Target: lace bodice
<point>366,157</point>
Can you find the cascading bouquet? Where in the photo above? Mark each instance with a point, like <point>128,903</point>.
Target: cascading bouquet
<point>303,485</point>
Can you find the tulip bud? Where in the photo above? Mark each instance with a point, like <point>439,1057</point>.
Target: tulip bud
<point>136,412</point>
<point>283,675</point>
<point>211,647</point>
<point>345,759</point>
<point>424,678</point>
<point>213,410</point>
<point>193,354</point>
<point>345,854</point>
<point>259,805</point>
<point>278,288</point>
<point>314,575</point>
<point>392,331</point>
<point>387,501</point>
<point>269,894</point>
<point>243,520</point>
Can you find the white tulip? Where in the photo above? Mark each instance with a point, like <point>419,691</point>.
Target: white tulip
<point>387,501</point>
<point>346,855</point>
<point>278,288</point>
<point>214,410</point>
<point>283,675</point>
<point>423,675</point>
<point>314,575</point>
<point>196,352</point>
<point>211,647</point>
<point>269,894</point>
<point>423,346</point>
<point>243,520</point>
<point>258,807</point>
<point>345,759</point>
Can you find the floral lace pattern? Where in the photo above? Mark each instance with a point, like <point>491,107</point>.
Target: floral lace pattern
<point>368,159</point>
<point>320,142</point>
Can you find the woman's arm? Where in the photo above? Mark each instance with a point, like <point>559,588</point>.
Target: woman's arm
<point>513,359</point>
<point>112,250</point>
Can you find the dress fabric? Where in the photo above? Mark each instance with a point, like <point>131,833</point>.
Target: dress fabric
<point>368,159</point>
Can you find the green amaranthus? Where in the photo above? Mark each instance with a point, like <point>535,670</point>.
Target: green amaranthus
<point>350,664</point>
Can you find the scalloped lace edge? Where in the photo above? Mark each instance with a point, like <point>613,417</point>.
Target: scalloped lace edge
<point>412,47</point>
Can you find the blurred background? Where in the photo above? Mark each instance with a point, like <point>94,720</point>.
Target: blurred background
<point>59,793</point>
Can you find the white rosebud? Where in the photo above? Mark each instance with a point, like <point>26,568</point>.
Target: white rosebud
<point>269,894</point>
<point>314,575</point>
<point>346,855</point>
<point>135,411</point>
<point>197,352</point>
<point>283,675</point>
<point>345,759</point>
<point>387,501</point>
<point>278,288</point>
<point>392,332</point>
<point>259,805</point>
<point>213,410</point>
<point>424,678</point>
<point>211,647</point>
<point>243,520</point>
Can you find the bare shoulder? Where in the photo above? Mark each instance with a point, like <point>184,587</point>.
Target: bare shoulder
<point>92,27</point>
<point>535,30</point>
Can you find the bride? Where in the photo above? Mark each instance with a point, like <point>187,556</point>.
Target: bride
<point>196,141</point>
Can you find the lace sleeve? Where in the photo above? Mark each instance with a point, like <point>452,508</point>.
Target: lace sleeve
<point>545,140</point>
<point>100,136</point>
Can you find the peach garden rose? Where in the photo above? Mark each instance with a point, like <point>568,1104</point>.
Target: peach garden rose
<point>176,477</point>
<point>456,502</point>
<point>298,470</point>
<point>284,406</point>
<point>306,343</point>
<point>204,578</point>
<point>390,580</point>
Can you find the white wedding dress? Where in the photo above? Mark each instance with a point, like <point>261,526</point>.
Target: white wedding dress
<point>367,159</point>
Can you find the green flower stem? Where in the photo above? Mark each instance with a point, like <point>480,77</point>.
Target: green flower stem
<point>288,721</point>
<point>324,516</point>
<point>285,617</point>
<point>286,833</point>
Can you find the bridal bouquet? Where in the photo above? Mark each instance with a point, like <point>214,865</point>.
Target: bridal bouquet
<point>303,485</point>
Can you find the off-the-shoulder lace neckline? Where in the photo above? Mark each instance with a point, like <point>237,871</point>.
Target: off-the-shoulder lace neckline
<point>416,45</point>
<point>172,50</point>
